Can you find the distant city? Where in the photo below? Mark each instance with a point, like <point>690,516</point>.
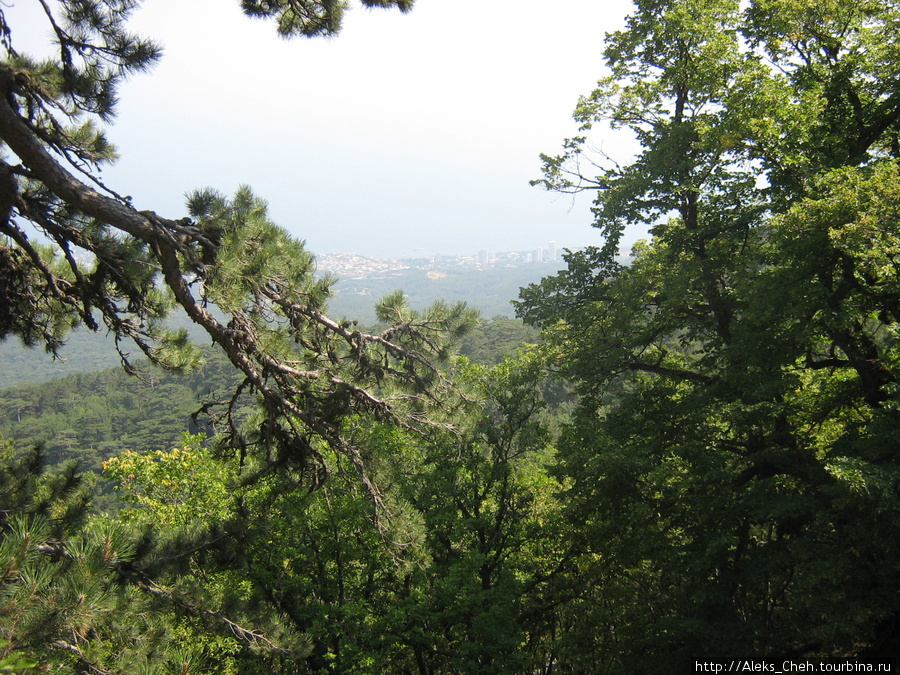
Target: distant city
<point>354,266</point>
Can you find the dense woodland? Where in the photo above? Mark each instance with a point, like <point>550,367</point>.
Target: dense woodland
<point>696,458</point>
<point>92,416</point>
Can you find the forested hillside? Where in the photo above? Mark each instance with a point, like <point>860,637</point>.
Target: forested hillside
<point>692,464</point>
<point>92,416</point>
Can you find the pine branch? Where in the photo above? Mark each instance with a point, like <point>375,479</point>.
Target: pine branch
<point>246,635</point>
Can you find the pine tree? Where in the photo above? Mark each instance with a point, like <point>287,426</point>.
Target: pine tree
<point>308,371</point>
<point>60,600</point>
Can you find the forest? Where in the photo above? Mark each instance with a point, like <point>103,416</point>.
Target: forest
<point>682,460</point>
<point>91,416</point>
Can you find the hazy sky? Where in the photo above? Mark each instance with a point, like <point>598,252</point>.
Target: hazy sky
<point>407,134</point>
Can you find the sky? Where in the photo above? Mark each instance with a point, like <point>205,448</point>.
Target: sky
<point>407,135</point>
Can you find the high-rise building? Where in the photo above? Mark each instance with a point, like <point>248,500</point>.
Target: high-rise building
<point>551,252</point>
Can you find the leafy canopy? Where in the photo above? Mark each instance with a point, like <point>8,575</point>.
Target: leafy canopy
<point>735,454</point>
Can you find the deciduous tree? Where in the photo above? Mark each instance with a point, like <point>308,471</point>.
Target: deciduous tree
<point>735,458</point>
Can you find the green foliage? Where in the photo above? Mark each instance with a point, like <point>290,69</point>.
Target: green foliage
<point>105,264</point>
<point>227,558</point>
<point>91,417</point>
<point>178,487</point>
<point>228,561</point>
<point>454,572</point>
<point>310,18</point>
<point>61,497</point>
<point>86,594</point>
<point>489,291</point>
<point>726,485</point>
<point>15,662</point>
<point>497,338</point>
<point>61,601</point>
<point>491,515</point>
<point>733,457</point>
